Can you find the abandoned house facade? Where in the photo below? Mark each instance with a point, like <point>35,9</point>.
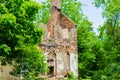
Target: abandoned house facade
<point>59,42</point>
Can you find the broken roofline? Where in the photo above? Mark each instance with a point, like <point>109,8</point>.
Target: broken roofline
<point>61,13</point>
<point>65,21</point>
<point>55,5</point>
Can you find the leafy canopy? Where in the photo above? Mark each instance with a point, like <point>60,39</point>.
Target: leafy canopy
<point>110,37</point>
<point>20,36</point>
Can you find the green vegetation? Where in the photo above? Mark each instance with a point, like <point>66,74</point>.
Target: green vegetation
<point>110,38</point>
<point>20,36</point>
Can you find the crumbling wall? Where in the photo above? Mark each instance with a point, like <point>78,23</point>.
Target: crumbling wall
<point>4,73</point>
<point>74,63</point>
<point>59,43</point>
<point>60,63</point>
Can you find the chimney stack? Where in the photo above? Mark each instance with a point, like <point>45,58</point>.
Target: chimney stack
<point>55,3</point>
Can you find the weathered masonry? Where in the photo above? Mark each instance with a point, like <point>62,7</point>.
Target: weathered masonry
<point>59,43</point>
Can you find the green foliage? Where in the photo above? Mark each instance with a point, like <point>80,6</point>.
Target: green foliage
<point>110,38</point>
<point>71,76</point>
<point>20,36</point>
<point>72,9</point>
<point>44,14</point>
<point>3,9</point>
<point>91,53</point>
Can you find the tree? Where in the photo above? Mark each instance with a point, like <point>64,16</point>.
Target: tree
<point>20,36</point>
<point>110,37</point>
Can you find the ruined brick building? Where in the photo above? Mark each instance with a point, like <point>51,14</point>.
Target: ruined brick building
<point>59,43</point>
